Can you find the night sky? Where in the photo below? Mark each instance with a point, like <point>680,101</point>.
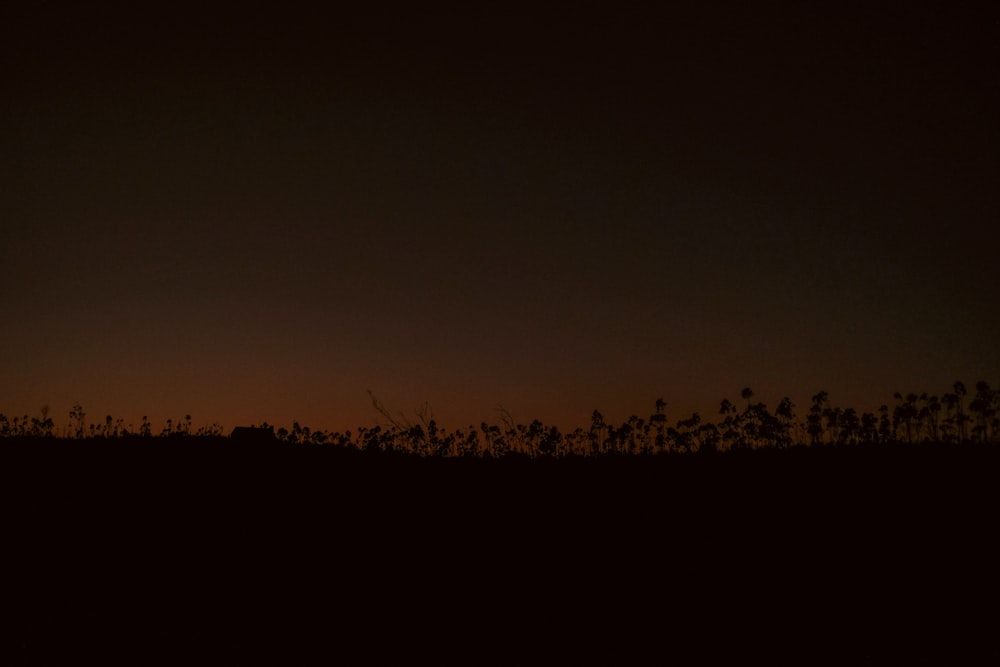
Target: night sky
<point>249,213</point>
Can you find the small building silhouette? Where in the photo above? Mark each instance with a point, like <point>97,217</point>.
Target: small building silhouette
<point>253,435</point>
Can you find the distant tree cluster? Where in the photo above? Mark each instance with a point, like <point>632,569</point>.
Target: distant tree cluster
<point>953,417</point>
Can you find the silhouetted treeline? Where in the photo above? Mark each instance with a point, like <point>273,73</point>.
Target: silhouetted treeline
<point>957,416</point>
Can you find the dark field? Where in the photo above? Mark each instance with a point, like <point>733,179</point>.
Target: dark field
<point>204,551</point>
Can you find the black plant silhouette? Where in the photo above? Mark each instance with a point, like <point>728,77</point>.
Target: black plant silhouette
<point>914,418</point>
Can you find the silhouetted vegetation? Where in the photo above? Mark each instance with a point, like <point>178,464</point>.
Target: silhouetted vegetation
<point>824,513</point>
<point>914,418</point>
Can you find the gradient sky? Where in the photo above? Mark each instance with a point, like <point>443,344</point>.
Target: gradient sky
<point>259,214</point>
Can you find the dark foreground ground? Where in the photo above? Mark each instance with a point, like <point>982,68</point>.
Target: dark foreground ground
<point>203,552</point>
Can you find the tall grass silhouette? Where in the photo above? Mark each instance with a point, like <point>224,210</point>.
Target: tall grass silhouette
<point>953,417</point>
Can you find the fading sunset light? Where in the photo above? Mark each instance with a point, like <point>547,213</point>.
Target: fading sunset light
<point>259,217</point>
<point>499,333</point>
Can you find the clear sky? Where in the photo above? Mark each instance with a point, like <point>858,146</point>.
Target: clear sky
<point>259,214</point>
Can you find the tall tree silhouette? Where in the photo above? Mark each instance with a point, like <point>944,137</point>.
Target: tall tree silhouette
<point>930,415</point>
<point>905,414</point>
<point>885,432</point>
<point>985,406</point>
<point>729,428</point>
<point>785,412</point>
<point>814,419</point>
<point>960,416</point>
